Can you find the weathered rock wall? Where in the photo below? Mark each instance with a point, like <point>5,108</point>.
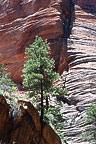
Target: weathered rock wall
<point>81,77</point>
<point>21,21</point>
<point>87,5</point>
<point>20,123</point>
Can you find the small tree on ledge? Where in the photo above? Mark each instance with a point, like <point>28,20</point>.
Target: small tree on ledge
<point>38,70</point>
<point>6,84</point>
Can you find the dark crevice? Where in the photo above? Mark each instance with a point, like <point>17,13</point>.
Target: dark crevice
<point>67,25</point>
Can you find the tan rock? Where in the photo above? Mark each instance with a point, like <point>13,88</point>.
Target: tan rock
<point>20,123</point>
<point>50,136</point>
<point>81,77</point>
<point>4,115</point>
<point>33,113</point>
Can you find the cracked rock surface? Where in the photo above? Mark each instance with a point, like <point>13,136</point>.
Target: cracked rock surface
<point>81,77</point>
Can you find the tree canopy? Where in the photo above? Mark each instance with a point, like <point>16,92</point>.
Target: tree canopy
<point>39,66</point>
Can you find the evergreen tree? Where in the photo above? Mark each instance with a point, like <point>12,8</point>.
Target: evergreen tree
<point>90,130</point>
<point>38,70</point>
<point>6,84</point>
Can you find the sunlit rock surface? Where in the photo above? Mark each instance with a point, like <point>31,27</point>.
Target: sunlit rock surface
<point>81,78</point>
<point>21,21</point>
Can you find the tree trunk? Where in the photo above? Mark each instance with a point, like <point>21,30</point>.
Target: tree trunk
<point>47,103</point>
<point>42,108</point>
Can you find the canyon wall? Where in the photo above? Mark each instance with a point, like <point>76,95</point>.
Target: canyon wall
<point>21,21</point>
<point>81,77</point>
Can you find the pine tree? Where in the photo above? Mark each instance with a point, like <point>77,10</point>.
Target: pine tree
<point>38,70</point>
<point>6,84</point>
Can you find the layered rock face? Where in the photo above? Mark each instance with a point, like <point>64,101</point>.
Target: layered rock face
<point>81,78</point>
<point>20,123</point>
<point>21,21</point>
<point>87,5</point>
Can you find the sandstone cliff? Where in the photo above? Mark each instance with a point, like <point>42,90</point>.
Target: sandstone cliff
<point>81,77</point>
<point>20,123</point>
<point>21,21</point>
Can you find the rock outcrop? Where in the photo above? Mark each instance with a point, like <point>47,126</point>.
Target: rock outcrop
<point>21,21</point>
<point>20,123</point>
<point>81,77</point>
